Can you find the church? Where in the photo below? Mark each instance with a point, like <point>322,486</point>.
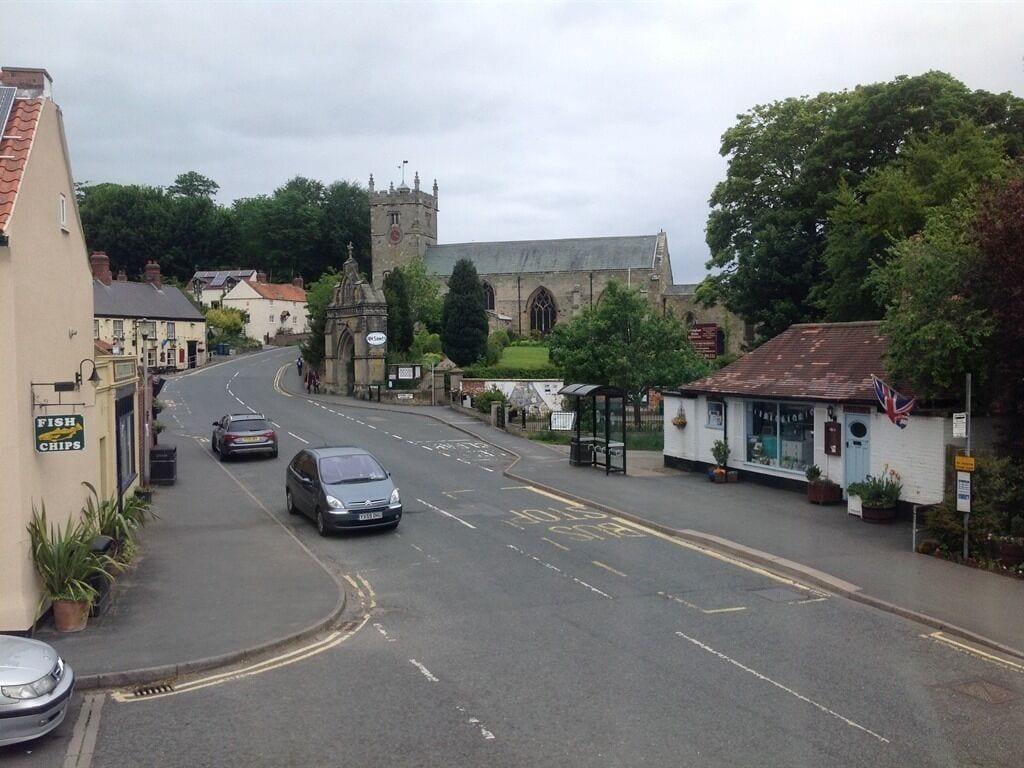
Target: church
<point>530,286</point>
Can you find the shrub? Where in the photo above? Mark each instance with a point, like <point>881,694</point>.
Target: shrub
<point>720,450</point>
<point>813,473</point>
<point>424,342</point>
<point>879,492</point>
<point>503,372</point>
<point>492,353</point>
<point>1017,527</point>
<point>64,559</point>
<point>482,402</point>
<point>500,337</point>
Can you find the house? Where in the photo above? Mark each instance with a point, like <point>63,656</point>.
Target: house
<point>146,318</point>
<point>807,397</point>
<point>119,417</point>
<point>210,285</point>
<point>46,307</point>
<point>270,308</point>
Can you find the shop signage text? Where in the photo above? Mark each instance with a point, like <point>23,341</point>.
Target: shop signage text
<point>65,432</point>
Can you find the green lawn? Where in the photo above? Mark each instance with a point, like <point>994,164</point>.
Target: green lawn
<point>524,357</point>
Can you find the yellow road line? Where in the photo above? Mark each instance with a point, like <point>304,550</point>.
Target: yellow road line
<point>599,564</point>
<point>724,610</point>
<point>554,496</point>
<point>984,655</point>
<point>277,380</point>
<point>549,541</point>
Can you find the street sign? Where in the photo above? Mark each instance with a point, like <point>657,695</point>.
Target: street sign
<point>65,432</point>
<point>964,463</point>
<point>960,424</point>
<point>376,338</point>
<point>963,491</point>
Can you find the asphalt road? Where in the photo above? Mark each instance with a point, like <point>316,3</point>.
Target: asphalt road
<point>502,626</point>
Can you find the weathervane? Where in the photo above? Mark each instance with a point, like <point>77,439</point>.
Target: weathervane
<point>402,169</point>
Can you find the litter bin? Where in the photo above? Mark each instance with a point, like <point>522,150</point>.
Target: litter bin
<point>163,464</point>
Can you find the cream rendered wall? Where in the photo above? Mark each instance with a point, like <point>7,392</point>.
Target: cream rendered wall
<point>259,309</point>
<point>184,331</point>
<point>47,305</point>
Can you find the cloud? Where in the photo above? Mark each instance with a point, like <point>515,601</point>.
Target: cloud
<point>537,120</point>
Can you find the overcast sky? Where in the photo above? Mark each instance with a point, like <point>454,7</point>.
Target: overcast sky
<point>538,121</point>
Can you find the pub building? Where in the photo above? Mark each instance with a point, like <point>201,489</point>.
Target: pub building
<point>806,398</point>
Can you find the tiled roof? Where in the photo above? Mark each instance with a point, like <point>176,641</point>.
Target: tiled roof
<point>215,278</point>
<point>103,347</point>
<point>15,143</point>
<point>814,361</point>
<point>680,289</point>
<point>278,291</point>
<point>142,300</point>
<point>578,254</point>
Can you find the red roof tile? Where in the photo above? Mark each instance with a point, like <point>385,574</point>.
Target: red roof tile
<point>278,291</point>
<point>15,143</point>
<point>813,361</point>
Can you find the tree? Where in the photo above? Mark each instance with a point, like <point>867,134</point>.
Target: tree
<point>464,322</point>
<point>227,321</point>
<point>399,316</point>
<point>624,342</point>
<point>425,301</point>
<point>346,219</point>
<point>318,297</point>
<point>129,222</point>
<point>193,184</point>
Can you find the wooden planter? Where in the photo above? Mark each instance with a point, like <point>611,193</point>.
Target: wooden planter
<point>824,493</point>
<point>877,514</point>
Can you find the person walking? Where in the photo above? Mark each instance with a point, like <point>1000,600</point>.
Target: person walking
<point>316,382</point>
<point>298,364</point>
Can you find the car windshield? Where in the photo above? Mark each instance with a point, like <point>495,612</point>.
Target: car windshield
<point>249,425</point>
<point>355,468</point>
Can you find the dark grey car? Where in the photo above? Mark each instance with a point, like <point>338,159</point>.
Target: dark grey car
<point>341,488</point>
<point>241,433</point>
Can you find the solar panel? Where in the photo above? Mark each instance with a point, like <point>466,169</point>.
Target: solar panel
<point>6,103</point>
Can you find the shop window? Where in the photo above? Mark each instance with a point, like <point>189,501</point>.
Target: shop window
<point>780,435</point>
<point>125,440</point>
<point>716,414</point>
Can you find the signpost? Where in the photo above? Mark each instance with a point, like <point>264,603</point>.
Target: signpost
<point>57,433</point>
<point>960,424</point>
<point>964,463</point>
<point>963,477</point>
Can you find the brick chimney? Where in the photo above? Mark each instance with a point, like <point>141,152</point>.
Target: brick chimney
<point>152,273</point>
<point>100,264</point>
<point>32,83</point>
<point>261,277</point>
<point>122,276</point>
<point>299,282</point>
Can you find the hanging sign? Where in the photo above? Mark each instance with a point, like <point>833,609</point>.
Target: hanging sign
<point>963,463</point>
<point>376,338</point>
<point>65,432</point>
<point>960,424</point>
<point>963,491</point>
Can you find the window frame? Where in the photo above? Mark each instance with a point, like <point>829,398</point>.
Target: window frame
<point>778,436</point>
<point>721,409</point>
<point>62,211</point>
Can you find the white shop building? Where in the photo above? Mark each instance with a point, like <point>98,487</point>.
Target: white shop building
<point>806,397</point>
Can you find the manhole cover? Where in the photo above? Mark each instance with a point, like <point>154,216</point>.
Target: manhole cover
<point>778,594</point>
<point>988,692</point>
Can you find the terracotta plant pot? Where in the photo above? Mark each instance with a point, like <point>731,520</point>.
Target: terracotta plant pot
<point>70,615</point>
<point>878,514</point>
<point>718,475</point>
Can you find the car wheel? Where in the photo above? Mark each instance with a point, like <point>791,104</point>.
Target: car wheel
<point>221,453</point>
<point>213,443</point>
<point>273,454</point>
<point>321,522</point>
<point>289,502</point>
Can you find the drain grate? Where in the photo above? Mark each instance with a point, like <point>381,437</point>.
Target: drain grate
<point>988,692</point>
<point>149,690</point>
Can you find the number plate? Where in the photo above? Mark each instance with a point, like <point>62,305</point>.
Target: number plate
<point>249,439</point>
<point>371,515</point>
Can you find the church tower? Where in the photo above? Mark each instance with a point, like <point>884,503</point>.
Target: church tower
<point>403,222</point>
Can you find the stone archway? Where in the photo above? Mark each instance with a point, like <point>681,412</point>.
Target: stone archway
<point>353,365</point>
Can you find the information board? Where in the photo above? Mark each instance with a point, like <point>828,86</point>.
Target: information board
<point>704,338</point>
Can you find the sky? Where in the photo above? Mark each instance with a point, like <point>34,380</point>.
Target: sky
<point>537,120</point>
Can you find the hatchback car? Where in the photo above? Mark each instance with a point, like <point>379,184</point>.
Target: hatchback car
<point>239,433</point>
<point>341,488</point>
<point>35,688</point>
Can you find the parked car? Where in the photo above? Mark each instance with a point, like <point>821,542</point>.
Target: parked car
<point>341,488</point>
<point>35,688</point>
<point>238,433</point>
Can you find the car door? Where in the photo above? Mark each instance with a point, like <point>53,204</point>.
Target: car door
<point>296,483</point>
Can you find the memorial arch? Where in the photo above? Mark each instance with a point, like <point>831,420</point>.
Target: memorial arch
<point>352,365</point>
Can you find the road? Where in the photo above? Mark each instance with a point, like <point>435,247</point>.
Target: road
<point>505,626</point>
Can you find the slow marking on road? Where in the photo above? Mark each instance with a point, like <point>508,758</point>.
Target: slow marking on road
<point>974,651</point>
<point>301,440</point>
<point>426,672</point>
<point>599,564</point>
<point>780,686</point>
<point>445,513</point>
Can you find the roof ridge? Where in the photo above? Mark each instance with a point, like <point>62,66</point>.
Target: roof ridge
<point>839,324</point>
<point>543,240</point>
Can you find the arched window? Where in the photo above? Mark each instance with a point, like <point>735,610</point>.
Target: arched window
<point>542,311</point>
<point>488,296</point>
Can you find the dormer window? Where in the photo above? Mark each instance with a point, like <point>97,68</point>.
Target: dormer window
<point>62,212</point>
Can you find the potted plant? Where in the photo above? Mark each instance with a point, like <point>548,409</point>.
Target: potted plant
<point>64,559</point>
<point>720,450</point>
<point>878,496</point>
<point>821,490</point>
<point>679,420</point>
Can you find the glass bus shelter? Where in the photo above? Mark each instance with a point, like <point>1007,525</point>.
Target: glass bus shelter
<point>599,428</point>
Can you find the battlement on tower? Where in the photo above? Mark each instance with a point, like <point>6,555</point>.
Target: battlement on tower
<point>403,222</point>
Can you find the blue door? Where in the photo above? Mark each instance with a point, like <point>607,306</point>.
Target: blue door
<point>858,447</point>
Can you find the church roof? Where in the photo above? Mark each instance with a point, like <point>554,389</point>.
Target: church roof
<point>577,254</point>
<point>680,289</point>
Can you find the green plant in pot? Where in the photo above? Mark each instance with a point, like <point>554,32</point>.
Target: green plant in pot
<point>65,562</point>
<point>720,450</point>
<point>878,495</point>
<point>821,490</point>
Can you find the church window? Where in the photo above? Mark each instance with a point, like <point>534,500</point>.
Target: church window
<point>393,218</point>
<point>488,296</point>
<point>542,311</point>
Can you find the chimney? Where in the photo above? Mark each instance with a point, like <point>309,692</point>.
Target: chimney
<point>299,282</point>
<point>152,273</point>
<point>100,267</point>
<point>122,276</point>
<point>261,277</point>
<point>32,83</point>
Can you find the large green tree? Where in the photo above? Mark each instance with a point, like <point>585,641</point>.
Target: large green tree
<point>425,302</point>
<point>399,316</point>
<point>464,322</point>
<point>625,342</point>
<point>318,298</point>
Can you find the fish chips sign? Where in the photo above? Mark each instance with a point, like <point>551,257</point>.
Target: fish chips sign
<point>60,433</point>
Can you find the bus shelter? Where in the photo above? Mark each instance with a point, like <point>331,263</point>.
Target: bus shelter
<point>599,426</point>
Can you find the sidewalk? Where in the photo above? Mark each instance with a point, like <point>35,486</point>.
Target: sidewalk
<point>876,558</point>
<point>215,576</point>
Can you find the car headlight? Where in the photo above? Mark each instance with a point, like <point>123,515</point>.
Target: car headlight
<point>334,503</point>
<point>395,498</point>
<point>40,687</point>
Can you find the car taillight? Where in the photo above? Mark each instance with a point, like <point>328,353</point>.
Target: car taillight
<point>269,435</point>
<point>229,438</point>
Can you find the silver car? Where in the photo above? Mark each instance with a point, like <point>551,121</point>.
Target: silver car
<point>35,688</point>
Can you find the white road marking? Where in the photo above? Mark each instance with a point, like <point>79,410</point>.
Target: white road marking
<point>240,400</point>
<point>486,469</point>
<point>301,440</point>
<point>446,514</point>
<point>582,583</point>
<point>276,424</point>
<point>592,588</point>
<point>688,604</point>
<point>781,687</point>
<point>550,541</point>
<point>426,672</point>
<point>384,633</point>
<point>83,738</point>
<point>599,564</point>
<point>426,448</point>
<point>368,425</point>
<point>398,437</point>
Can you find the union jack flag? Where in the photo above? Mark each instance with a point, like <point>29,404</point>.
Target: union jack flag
<point>897,407</point>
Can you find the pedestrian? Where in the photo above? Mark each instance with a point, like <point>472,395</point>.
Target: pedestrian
<point>298,364</point>
<point>316,382</point>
